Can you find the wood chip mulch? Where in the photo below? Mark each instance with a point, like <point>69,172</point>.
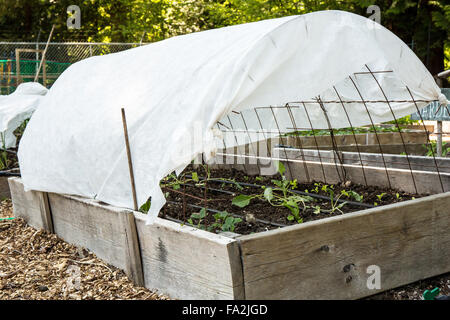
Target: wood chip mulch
<point>35,265</point>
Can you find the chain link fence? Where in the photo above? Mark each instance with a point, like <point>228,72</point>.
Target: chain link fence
<point>59,56</point>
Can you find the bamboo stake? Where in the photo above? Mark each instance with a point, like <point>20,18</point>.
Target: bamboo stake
<point>43,54</point>
<point>130,163</point>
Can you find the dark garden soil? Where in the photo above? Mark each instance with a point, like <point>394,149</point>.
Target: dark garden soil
<point>260,215</point>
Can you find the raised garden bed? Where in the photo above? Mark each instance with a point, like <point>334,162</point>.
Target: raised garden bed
<point>319,259</point>
<point>412,139</point>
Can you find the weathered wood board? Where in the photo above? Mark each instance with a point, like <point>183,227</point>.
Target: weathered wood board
<point>188,263</point>
<point>328,259</point>
<point>26,205</point>
<point>4,188</point>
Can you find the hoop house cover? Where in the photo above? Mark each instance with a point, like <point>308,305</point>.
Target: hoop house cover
<point>17,107</point>
<point>177,88</point>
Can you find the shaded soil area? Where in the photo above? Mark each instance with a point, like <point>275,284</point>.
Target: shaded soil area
<point>186,197</point>
<point>35,265</point>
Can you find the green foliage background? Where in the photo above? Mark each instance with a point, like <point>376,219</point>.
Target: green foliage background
<point>425,25</point>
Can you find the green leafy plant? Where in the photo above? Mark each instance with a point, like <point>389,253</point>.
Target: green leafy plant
<point>279,195</point>
<point>432,149</point>
<point>352,194</point>
<point>380,196</point>
<point>243,200</point>
<point>200,217</point>
<point>356,130</point>
<point>317,209</point>
<point>316,189</point>
<point>224,221</point>
<point>335,205</point>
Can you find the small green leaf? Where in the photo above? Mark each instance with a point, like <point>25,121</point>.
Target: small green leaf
<point>281,168</point>
<point>356,196</point>
<point>241,201</point>
<point>278,183</point>
<point>341,205</point>
<point>195,176</point>
<point>293,206</point>
<point>268,194</point>
<point>195,216</point>
<point>145,207</point>
<point>290,217</point>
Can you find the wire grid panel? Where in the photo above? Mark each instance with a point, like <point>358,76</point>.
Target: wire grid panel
<point>338,136</point>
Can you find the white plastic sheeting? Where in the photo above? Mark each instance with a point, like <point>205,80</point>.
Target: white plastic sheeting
<point>17,107</point>
<point>181,86</point>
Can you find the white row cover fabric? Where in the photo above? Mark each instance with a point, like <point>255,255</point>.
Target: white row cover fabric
<point>177,89</point>
<point>16,108</point>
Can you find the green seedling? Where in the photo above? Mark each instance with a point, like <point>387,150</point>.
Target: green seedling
<point>293,184</point>
<point>225,222</point>
<point>316,189</point>
<point>200,217</point>
<point>380,196</point>
<point>335,205</point>
<point>352,194</point>
<point>280,195</point>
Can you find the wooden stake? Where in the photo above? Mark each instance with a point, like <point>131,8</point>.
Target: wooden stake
<point>130,163</point>
<point>43,55</point>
